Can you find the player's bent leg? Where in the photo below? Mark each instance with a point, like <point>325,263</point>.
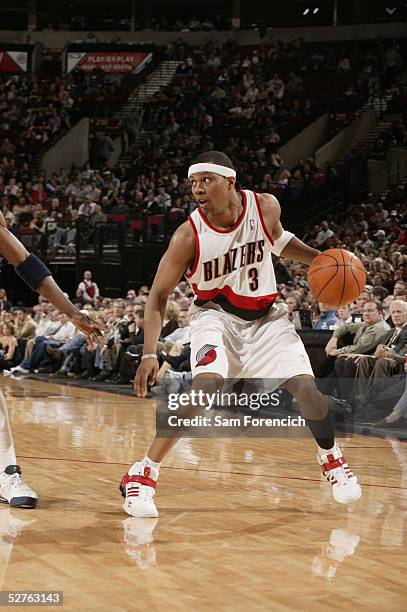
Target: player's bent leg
<point>315,409</point>
<point>139,484</point>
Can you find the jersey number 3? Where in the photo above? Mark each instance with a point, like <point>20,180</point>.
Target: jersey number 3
<point>254,279</point>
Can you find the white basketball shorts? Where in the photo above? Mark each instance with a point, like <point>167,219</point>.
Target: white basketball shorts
<point>268,348</point>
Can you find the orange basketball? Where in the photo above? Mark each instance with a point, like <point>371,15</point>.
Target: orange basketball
<point>336,277</point>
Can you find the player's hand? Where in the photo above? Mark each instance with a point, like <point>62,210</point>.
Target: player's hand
<point>146,376</point>
<point>91,328</point>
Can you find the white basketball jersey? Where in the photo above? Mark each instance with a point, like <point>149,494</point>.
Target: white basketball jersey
<point>233,268</point>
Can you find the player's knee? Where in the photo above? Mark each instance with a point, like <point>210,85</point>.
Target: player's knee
<point>304,390</point>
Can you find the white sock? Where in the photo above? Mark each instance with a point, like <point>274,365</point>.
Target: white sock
<point>326,451</point>
<point>150,463</point>
<point>135,468</point>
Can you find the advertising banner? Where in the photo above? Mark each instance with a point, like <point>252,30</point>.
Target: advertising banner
<point>108,61</point>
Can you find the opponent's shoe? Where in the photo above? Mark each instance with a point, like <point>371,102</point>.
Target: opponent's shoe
<point>138,489</point>
<point>345,486</point>
<point>14,491</point>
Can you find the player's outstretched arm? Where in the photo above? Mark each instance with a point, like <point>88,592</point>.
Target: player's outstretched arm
<point>179,256</point>
<point>286,244</point>
<point>37,276</point>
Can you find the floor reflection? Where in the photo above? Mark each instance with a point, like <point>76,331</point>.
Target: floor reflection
<point>138,541</point>
<point>11,526</point>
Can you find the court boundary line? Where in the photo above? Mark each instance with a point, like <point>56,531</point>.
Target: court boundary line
<point>186,469</point>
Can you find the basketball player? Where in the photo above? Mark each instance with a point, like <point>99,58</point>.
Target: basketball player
<point>225,249</point>
<point>13,489</point>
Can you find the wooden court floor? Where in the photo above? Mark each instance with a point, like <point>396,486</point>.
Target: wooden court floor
<point>245,524</point>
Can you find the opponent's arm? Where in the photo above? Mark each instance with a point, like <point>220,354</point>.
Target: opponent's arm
<point>179,255</point>
<point>285,244</point>
<point>37,276</point>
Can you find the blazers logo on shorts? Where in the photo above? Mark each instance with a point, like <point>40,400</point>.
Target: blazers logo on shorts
<point>206,355</point>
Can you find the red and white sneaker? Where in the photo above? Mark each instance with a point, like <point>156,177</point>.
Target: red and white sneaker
<point>138,489</point>
<point>345,486</point>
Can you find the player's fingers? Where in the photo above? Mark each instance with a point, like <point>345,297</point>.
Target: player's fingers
<point>100,326</point>
<point>90,343</point>
<point>144,379</point>
<point>152,377</point>
<point>141,383</point>
<point>98,338</point>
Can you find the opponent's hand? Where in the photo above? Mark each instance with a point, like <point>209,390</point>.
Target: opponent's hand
<point>146,376</point>
<point>91,328</point>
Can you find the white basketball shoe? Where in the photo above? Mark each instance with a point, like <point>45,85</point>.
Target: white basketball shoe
<point>14,491</point>
<point>138,489</point>
<point>345,486</point>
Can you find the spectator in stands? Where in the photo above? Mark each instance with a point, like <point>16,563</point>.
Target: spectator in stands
<point>387,301</point>
<point>131,295</point>
<point>131,350</point>
<point>39,358</point>
<point>182,334</point>
<point>388,358</point>
<point>399,285</point>
<point>366,337</point>
<point>163,199</point>
<point>105,357</point>
<point>24,324</point>
<point>103,149</point>
<point>357,306</point>
<point>171,318</point>
<point>4,302</point>
<point>324,234</point>
<point>293,302</point>
<point>9,353</point>
<point>97,216</point>
<point>366,333</point>
<point>87,290</point>
<point>326,319</point>
<point>65,355</point>
<point>344,314</point>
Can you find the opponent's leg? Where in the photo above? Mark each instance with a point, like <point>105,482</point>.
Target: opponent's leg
<point>138,485</point>
<point>13,489</point>
<point>315,409</point>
